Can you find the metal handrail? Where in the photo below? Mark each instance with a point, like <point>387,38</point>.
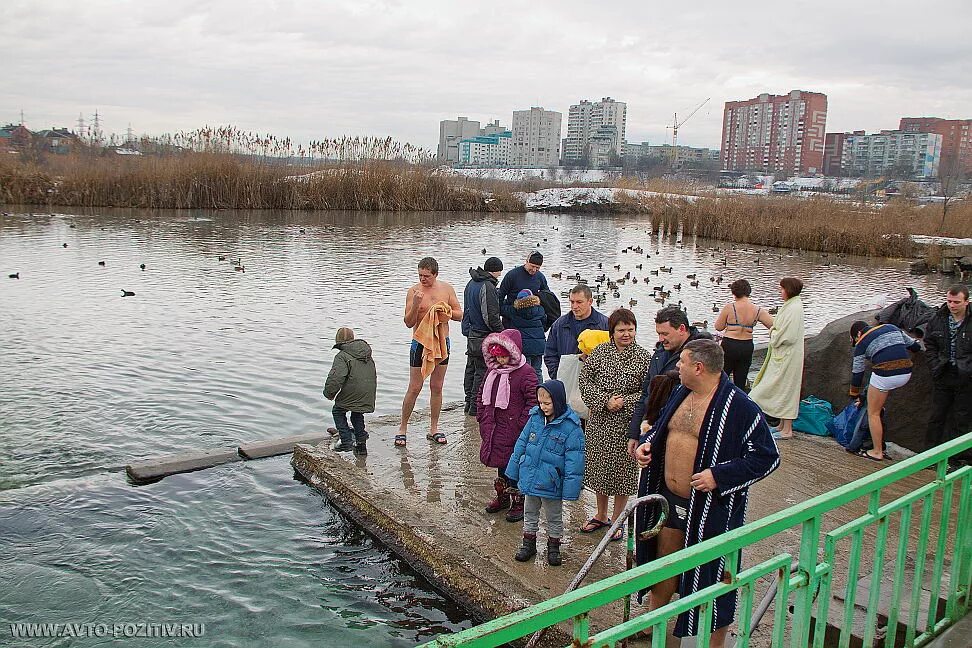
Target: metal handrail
<point>813,577</point>
<point>627,515</point>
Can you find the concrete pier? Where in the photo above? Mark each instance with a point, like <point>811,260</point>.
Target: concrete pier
<point>426,502</point>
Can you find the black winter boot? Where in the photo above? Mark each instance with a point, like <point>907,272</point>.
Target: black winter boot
<point>515,514</point>
<point>553,552</point>
<point>528,549</point>
<point>502,499</point>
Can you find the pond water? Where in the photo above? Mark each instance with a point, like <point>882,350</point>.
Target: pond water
<point>203,356</point>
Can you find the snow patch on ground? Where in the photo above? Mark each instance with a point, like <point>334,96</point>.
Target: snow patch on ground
<point>940,240</point>
<point>567,197</point>
<point>563,176</point>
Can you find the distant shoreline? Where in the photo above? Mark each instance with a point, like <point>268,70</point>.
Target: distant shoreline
<point>224,181</point>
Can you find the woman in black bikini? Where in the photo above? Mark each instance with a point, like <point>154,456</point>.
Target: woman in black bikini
<point>737,339</point>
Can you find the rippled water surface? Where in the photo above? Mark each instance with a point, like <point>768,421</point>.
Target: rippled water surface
<point>204,356</point>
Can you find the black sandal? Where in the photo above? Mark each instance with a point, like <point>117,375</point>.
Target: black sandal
<point>438,437</point>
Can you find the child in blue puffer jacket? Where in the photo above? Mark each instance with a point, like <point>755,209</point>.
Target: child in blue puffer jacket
<point>548,464</point>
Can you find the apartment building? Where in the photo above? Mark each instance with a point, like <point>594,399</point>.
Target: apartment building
<point>536,138</point>
<point>956,136</point>
<point>595,132</point>
<point>893,152</point>
<point>775,133</point>
<point>486,150</point>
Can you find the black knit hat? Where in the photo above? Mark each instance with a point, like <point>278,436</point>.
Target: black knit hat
<point>536,258</point>
<point>493,264</point>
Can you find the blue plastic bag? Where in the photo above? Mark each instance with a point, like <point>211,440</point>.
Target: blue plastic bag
<point>815,414</point>
<point>845,425</point>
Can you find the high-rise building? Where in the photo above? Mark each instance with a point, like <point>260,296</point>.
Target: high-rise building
<point>956,136</point>
<point>536,138</point>
<point>775,133</point>
<point>891,152</point>
<point>595,132</point>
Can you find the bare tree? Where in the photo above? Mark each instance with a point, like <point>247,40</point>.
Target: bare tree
<point>950,177</point>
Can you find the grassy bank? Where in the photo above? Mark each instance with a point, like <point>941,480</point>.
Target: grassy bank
<point>212,180</point>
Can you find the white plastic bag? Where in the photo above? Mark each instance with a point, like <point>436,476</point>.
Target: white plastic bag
<point>569,373</point>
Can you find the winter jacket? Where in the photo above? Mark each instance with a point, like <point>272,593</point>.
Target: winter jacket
<point>499,428</point>
<point>527,316</point>
<point>516,280</point>
<point>562,337</point>
<point>548,460</point>
<point>480,309</point>
<point>938,343</point>
<point>661,361</point>
<point>353,379</point>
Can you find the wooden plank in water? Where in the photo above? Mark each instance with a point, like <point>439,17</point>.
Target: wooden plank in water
<point>152,470</point>
<point>275,447</point>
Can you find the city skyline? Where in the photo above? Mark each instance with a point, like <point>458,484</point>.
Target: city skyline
<point>311,71</point>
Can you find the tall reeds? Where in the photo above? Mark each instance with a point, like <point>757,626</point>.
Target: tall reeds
<point>224,168</point>
<point>810,224</point>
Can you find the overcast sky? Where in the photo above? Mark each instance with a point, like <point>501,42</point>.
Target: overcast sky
<point>321,69</point>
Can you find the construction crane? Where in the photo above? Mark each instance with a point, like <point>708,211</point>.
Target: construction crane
<point>675,126</point>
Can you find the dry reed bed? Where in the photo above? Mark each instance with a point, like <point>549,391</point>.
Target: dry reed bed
<point>818,224</point>
<point>226,181</point>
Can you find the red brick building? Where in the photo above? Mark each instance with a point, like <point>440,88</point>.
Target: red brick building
<point>775,133</point>
<point>956,136</point>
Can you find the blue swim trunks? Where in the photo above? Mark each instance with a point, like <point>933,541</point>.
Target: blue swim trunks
<point>417,349</point>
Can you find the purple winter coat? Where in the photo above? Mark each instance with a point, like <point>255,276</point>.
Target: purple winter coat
<point>501,428</point>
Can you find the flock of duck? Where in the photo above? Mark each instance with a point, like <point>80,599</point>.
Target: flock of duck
<point>237,265</point>
<point>603,286</point>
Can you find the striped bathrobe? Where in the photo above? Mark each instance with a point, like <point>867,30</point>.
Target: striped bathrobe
<point>735,442</point>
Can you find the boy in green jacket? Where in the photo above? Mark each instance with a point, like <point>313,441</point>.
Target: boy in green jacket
<point>352,385</point>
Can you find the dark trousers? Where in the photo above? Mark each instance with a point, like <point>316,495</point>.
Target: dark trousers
<point>738,360</point>
<point>359,434</point>
<point>502,475</point>
<point>475,371</point>
<point>951,408</point>
<point>537,363</point>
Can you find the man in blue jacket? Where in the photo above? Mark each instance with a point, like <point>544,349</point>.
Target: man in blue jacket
<point>674,332</point>
<point>526,276</point>
<point>562,337</point>
<point>480,317</point>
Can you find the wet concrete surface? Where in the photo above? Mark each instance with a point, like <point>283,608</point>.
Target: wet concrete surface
<point>427,502</point>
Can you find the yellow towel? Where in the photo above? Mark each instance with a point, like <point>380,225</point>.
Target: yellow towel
<point>430,335</point>
<point>591,338</point>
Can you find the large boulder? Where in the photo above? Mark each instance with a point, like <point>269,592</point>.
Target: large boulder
<point>827,375</point>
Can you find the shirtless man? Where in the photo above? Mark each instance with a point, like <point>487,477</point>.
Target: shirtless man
<point>420,298</point>
<point>706,489</point>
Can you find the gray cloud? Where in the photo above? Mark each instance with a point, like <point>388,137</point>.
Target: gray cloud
<point>316,69</point>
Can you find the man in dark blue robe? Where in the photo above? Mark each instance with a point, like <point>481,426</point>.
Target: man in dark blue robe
<point>708,446</point>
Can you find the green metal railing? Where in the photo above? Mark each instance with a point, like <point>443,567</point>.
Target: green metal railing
<point>811,581</point>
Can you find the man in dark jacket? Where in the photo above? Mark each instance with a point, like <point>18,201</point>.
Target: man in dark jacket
<point>562,337</point>
<point>674,332</point>
<point>526,276</point>
<point>480,316</point>
<point>352,384</point>
<point>948,349</point>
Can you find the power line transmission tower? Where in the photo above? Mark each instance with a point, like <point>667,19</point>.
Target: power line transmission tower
<point>81,127</point>
<point>96,128</point>
<point>129,134</point>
